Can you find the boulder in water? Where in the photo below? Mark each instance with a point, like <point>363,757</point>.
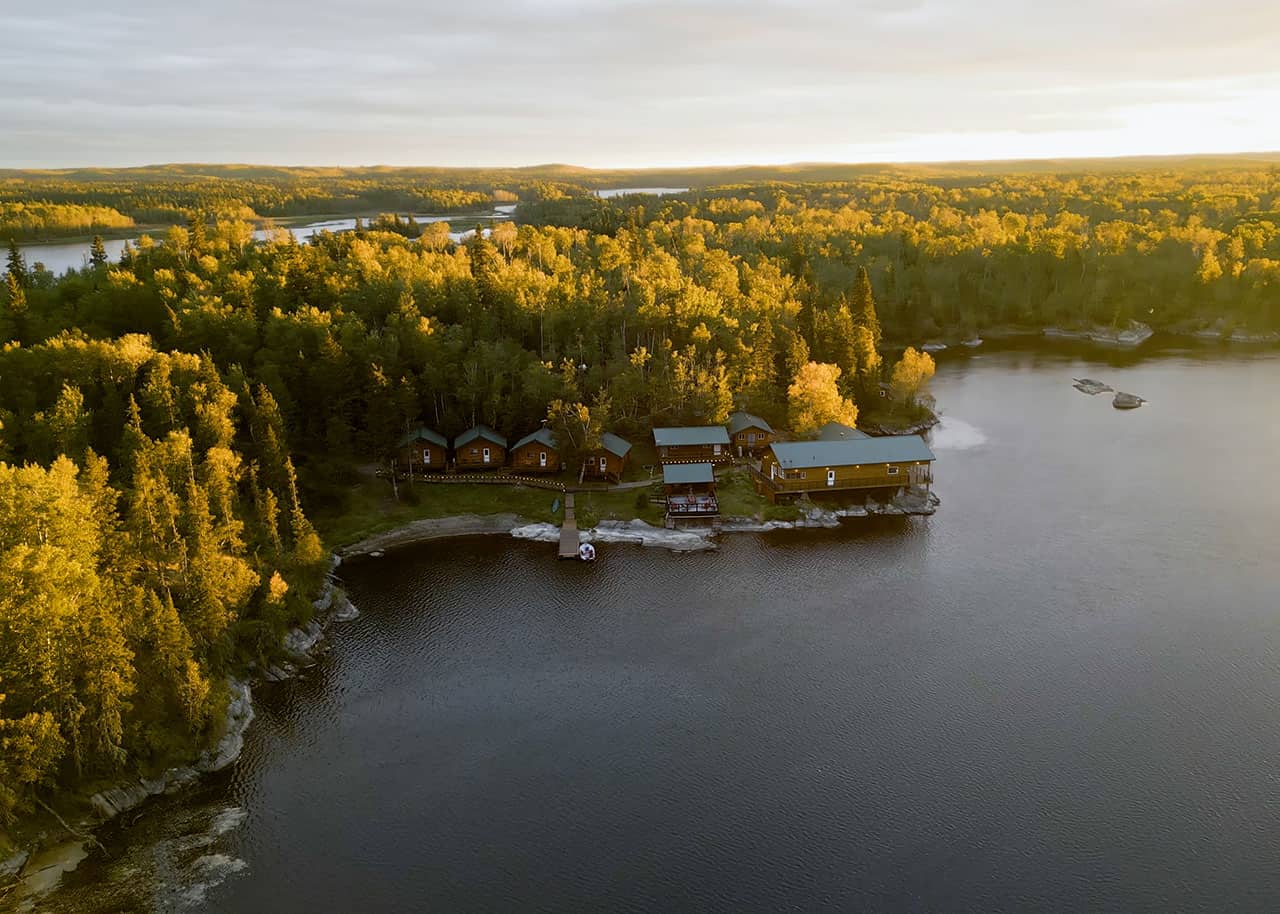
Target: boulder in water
<point>1090,386</point>
<point>1127,401</point>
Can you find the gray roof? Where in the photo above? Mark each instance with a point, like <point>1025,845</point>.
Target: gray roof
<point>693,435</point>
<point>674,474</point>
<point>543,436</point>
<point>740,421</point>
<point>615,445</point>
<point>855,451</point>
<point>479,431</point>
<point>422,433</point>
<point>838,431</point>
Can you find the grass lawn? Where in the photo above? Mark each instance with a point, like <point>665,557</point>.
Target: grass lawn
<point>371,508</point>
<point>738,498</point>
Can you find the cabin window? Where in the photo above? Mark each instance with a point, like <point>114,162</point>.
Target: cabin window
<point>892,471</point>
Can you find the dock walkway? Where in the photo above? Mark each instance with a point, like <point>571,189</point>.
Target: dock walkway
<point>569,530</point>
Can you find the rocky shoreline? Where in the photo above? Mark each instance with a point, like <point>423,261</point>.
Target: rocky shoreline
<point>432,528</point>
<point>38,868</point>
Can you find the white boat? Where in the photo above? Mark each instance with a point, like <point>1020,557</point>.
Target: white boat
<point>587,552</point>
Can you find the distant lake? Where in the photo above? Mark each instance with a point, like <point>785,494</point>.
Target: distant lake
<point>58,257</point>
<point>1059,693</point>
<point>653,191</point>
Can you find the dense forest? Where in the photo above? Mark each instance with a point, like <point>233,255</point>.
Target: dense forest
<point>167,421</point>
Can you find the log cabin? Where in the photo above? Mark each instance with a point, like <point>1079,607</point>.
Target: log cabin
<point>422,450</point>
<point>749,434</point>
<point>690,490</point>
<point>480,448</point>
<point>536,453</point>
<point>844,465</point>
<point>696,444</point>
<point>609,459</point>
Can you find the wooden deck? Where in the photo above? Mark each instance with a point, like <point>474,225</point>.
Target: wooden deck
<point>569,531</point>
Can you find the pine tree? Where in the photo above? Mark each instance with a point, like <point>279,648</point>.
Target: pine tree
<point>863,306</point>
<point>17,265</point>
<point>97,253</point>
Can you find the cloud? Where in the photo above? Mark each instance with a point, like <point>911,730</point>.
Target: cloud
<point>632,83</point>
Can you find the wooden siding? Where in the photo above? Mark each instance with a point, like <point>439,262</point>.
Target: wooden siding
<point>613,467</point>
<point>471,456</point>
<point>528,458</point>
<point>751,440</point>
<point>864,476</point>
<point>421,456</point>
<point>695,453</point>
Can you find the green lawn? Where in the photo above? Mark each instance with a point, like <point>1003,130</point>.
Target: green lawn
<point>738,498</point>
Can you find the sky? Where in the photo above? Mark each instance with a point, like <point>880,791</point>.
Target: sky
<point>633,84</point>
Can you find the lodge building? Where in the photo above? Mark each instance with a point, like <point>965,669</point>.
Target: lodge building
<point>844,464</point>
<point>696,444</point>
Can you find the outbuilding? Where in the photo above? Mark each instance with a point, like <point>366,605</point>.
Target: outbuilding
<point>810,467</point>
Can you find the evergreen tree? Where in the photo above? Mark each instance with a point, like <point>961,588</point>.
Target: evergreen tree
<point>97,253</point>
<point>16,265</point>
<point>863,306</point>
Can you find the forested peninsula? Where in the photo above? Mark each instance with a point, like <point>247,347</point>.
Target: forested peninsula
<point>171,424</point>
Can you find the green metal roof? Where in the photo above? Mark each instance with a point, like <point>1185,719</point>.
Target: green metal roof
<point>615,445</point>
<point>853,452</point>
<point>740,421</point>
<point>675,474</point>
<point>543,436</point>
<point>422,433</point>
<point>479,431</point>
<point>692,435</point>
<point>838,431</point>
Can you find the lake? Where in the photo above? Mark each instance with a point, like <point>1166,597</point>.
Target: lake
<point>60,256</point>
<point>1061,692</point>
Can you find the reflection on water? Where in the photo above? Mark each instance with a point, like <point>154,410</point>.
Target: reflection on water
<point>1057,693</point>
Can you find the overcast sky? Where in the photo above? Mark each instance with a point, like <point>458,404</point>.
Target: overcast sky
<point>601,83</point>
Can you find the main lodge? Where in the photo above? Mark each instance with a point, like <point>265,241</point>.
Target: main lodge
<point>850,463</point>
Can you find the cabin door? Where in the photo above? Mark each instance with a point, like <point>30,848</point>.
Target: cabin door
<point>604,464</point>
<point>716,450</point>
<point>485,455</point>
<point>542,458</point>
<point>831,477</point>
<point>426,457</point>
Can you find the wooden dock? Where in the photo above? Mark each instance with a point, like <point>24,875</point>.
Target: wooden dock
<point>569,531</point>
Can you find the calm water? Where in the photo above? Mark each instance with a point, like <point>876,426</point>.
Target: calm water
<point>1062,692</point>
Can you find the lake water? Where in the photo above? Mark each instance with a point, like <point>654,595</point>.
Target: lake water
<point>58,257</point>
<point>650,191</point>
<point>1061,692</point>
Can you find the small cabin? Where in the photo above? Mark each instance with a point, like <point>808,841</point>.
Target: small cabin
<point>749,434</point>
<point>842,465</point>
<point>536,453</point>
<point>838,431</point>
<point>695,444</point>
<point>421,450</point>
<point>690,490</point>
<point>480,448</point>
<point>609,459</point>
